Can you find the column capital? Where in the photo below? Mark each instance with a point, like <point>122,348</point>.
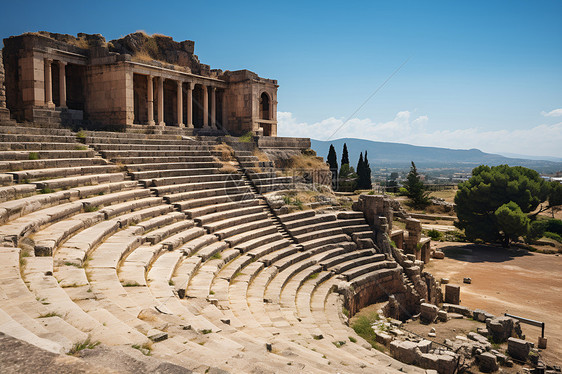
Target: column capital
<point>48,60</point>
<point>190,85</point>
<point>180,83</point>
<point>62,63</point>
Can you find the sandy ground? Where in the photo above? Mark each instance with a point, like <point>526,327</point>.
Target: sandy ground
<point>511,281</point>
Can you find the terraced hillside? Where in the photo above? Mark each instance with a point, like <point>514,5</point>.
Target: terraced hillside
<point>155,243</point>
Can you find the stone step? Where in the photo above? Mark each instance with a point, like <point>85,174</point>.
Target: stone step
<point>96,202</point>
<point>314,227</point>
<point>350,215</point>
<point>62,172</point>
<point>200,187</point>
<point>310,220</point>
<point>367,268</point>
<point>269,251</point>
<point>231,270</point>
<point>30,130</point>
<point>76,181</point>
<point>42,138</point>
<point>359,261</point>
<point>13,209</point>
<point>54,163</point>
<point>173,165</point>
<point>169,153</point>
<point>6,179</point>
<point>153,174</point>
<point>124,136</point>
<point>151,147</point>
<point>272,181</point>
<point>263,189</point>
<point>197,206</point>
<point>243,235</point>
<point>218,204</point>
<point>211,250</point>
<point>348,256</point>
<point>167,217</point>
<point>206,193</point>
<point>285,218</point>
<point>157,182</point>
<point>130,206</point>
<point>186,236</point>
<point>235,221</point>
<point>259,241</point>
<point>328,240</point>
<point>242,228</point>
<point>197,243</point>
<point>376,275</point>
<point>171,229</point>
<point>43,155</point>
<point>129,161</point>
<point>35,147</point>
<point>17,191</point>
<point>321,234</point>
<point>225,215</point>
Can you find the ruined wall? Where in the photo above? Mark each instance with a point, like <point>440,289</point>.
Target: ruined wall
<point>109,89</point>
<point>3,109</point>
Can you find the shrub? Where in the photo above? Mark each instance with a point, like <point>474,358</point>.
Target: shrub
<point>553,235</point>
<point>247,137</point>
<point>554,225</point>
<point>435,234</point>
<point>362,327</point>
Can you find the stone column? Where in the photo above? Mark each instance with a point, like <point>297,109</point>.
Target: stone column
<point>150,100</point>
<point>213,107</point>
<point>62,83</point>
<point>48,84</point>
<point>180,104</point>
<point>224,110</point>
<point>161,102</point>
<point>190,104</point>
<point>205,107</point>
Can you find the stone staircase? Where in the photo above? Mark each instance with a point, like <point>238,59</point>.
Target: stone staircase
<point>150,240</point>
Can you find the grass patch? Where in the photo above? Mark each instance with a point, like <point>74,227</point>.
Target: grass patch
<point>211,292</point>
<point>216,256</point>
<point>170,282</point>
<point>91,208</point>
<point>352,339</point>
<point>50,314</point>
<point>86,344</point>
<point>313,276</point>
<point>206,331</point>
<point>435,234</point>
<point>247,137</point>
<point>362,327</point>
<point>33,156</point>
<point>46,190</point>
<point>81,134</point>
<point>345,312</point>
<point>81,148</point>
<point>145,349</point>
<point>131,284</point>
<point>339,343</point>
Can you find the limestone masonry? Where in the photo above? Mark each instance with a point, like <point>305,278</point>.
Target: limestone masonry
<point>144,80</point>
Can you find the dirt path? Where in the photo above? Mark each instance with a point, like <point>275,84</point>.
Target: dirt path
<point>511,281</point>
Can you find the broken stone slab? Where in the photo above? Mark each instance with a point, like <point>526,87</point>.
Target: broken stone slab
<point>428,312</point>
<point>482,331</point>
<point>481,315</point>
<point>501,328</point>
<point>424,345</point>
<point>157,335</point>
<point>487,362</point>
<point>518,348</point>
<point>383,338</point>
<point>451,308</point>
<point>403,351</point>
<point>478,338</point>
<point>442,316</point>
<point>452,294</point>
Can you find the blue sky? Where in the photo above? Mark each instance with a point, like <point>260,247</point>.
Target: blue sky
<point>481,74</point>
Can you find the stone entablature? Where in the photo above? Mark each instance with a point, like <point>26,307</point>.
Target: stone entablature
<point>53,72</point>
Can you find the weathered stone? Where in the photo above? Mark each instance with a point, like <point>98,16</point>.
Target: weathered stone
<point>428,312</point>
<point>487,362</point>
<point>157,336</point>
<point>438,255</point>
<point>383,338</point>
<point>442,316</point>
<point>479,315</point>
<point>452,294</point>
<point>518,348</point>
<point>467,280</point>
<point>502,328</point>
<point>478,338</point>
<point>444,280</point>
<point>403,351</point>
<point>424,345</point>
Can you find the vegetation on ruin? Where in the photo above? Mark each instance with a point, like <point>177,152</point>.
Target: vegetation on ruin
<point>362,327</point>
<point>145,349</point>
<point>247,137</point>
<point>499,204</point>
<point>86,344</point>
<point>415,188</point>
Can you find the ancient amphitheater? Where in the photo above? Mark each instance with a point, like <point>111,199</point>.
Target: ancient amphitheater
<point>160,243</point>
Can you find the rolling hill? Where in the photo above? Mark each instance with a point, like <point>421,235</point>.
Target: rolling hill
<point>397,155</point>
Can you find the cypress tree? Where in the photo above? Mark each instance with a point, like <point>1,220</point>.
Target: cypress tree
<point>345,155</point>
<point>360,172</point>
<point>367,168</point>
<point>333,160</point>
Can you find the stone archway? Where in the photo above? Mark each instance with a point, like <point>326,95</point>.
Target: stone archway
<point>264,106</point>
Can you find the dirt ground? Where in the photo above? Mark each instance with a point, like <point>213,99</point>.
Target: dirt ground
<point>511,281</point>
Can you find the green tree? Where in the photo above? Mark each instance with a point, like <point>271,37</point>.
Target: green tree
<point>347,180</point>
<point>368,184</point>
<point>416,189</point>
<point>333,161</point>
<point>511,222</point>
<point>478,199</point>
<point>345,155</point>
<point>360,172</point>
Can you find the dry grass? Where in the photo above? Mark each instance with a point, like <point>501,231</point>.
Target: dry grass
<point>141,56</point>
<point>262,157</point>
<point>228,169</point>
<point>227,153</point>
<point>307,162</point>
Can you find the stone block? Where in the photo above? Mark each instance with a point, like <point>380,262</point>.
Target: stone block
<point>424,346</point>
<point>487,363</point>
<point>428,312</point>
<point>452,294</point>
<point>542,342</point>
<point>479,315</point>
<point>438,255</point>
<point>518,348</point>
<point>501,328</point>
<point>403,351</point>
<point>383,338</point>
<point>442,316</point>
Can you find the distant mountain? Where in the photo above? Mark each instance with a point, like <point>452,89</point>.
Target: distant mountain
<point>397,155</point>
<point>527,157</point>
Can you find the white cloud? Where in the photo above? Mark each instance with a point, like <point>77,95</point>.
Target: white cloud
<point>553,113</point>
<point>541,140</point>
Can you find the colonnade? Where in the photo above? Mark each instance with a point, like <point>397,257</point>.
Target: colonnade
<point>49,83</point>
